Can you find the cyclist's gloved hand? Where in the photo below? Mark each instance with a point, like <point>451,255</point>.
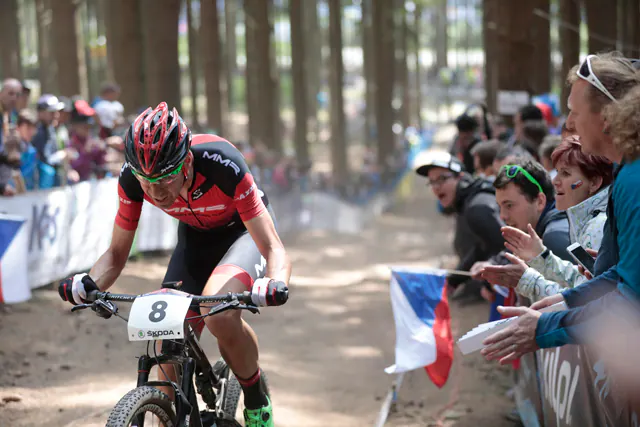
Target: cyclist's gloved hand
<point>75,289</point>
<point>267,291</point>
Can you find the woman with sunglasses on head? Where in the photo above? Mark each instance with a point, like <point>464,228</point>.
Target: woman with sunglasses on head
<point>225,237</point>
<point>581,190</point>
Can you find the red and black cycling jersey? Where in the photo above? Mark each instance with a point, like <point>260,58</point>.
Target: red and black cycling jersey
<point>222,193</point>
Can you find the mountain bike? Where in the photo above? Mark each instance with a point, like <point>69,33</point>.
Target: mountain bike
<point>161,315</point>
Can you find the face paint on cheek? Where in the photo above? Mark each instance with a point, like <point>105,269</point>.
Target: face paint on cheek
<point>577,184</point>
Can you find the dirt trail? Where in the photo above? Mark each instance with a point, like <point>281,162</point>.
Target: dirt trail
<point>324,351</point>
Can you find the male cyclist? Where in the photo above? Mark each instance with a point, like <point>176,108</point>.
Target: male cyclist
<point>225,234</point>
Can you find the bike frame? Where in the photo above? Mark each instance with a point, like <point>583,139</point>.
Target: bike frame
<point>186,353</point>
<point>189,355</point>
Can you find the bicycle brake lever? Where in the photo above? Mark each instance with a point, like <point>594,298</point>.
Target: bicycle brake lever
<point>80,307</point>
<point>251,308</point>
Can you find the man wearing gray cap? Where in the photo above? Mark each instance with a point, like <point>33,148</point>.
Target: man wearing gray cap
<point>49,107</point>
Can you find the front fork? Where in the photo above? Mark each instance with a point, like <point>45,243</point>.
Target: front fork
<point>187,412</point>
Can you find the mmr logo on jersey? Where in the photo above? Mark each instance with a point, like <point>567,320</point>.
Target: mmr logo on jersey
<point>218,158</point>
<point>195,210</point>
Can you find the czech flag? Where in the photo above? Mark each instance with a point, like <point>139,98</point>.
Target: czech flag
<point>423,323</point>
<point>14,282</point>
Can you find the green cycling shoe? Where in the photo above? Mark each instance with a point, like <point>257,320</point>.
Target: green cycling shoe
<point>262,417</point>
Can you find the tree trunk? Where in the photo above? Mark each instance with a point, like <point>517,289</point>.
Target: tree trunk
<point>569,44</point>
<point>632,33</point>
<point>621,36</point>
<point>336,73</point>
<point>602,23</point>
<point>160,47</point>
<point>259,75</point>
<point>10,36</point>
<point>65,46</point>
<point>193,65</point>
<point>105,6</point>
<point>313,52</point>
<point>636,42</point>
<point>441,36</point>
<point>86,12</point>
<point>47,69</point>
<point>275,95</point>
<point>211,58</point>
<point>417,32</point>
<point>517,49</point>
<point>82,16</point>
<point>299,80</point>
<point>125,46</point>
<point>384,55</point>
<point>401,63</point>
<point>490,40</point>
<point>369,69</point>
<point>230,16</point>
<point>541,33</point>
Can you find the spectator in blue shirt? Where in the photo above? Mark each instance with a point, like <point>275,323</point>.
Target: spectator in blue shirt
<point>598,82</point>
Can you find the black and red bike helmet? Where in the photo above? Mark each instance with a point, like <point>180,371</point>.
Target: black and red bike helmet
<point>157,141</point>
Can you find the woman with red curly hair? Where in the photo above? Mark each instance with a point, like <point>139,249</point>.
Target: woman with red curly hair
<point>580,185</point>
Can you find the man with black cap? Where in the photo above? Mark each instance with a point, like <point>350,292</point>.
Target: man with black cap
<point>466,139</point>
<point>478,236</point>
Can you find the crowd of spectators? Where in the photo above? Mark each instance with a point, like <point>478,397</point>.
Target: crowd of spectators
<point>57,140</point>
<point>522,198</point>
<point>53,140</point>
<point>283,174</point>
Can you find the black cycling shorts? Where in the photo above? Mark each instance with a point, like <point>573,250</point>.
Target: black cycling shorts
<point>199,254</point>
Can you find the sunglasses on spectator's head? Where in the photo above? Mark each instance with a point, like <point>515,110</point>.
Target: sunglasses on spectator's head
<point>165,179</point>
<point>512,170</point>
<point>585,72</point>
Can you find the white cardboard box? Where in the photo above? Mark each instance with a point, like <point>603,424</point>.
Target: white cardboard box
<point>472,340</point>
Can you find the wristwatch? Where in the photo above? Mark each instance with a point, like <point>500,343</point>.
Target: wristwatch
<point>545,254</point>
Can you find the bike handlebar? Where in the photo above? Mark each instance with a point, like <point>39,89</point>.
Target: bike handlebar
<point>244,297</point>
<point>265,293</point>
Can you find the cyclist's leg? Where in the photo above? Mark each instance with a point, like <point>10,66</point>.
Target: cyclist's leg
<point>238,344</point>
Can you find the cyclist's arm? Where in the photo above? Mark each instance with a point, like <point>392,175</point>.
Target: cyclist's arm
<point>264,233</point>
<point>109,266</point>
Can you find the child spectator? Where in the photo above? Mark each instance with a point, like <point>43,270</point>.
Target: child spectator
<point>27,127</point>
<point>109,111</point>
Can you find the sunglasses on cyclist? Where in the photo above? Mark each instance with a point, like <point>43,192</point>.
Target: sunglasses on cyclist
<point>585,72</point>
<point>165,179</point>
<point>512,170</point>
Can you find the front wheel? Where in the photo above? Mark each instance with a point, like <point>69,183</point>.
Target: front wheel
<point>143,406</point>
<point>229,397</point>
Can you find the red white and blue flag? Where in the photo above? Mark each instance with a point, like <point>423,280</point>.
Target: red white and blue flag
<point>14,283</point>
<point>423,323</point>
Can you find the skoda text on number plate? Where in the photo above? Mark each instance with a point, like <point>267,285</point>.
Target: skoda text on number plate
<point>158,316</point>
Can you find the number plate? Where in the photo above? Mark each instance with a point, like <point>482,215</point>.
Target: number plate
<point>156,317</point>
